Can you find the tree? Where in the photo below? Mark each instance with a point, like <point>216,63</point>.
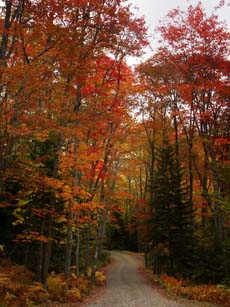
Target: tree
<point>173,219</point>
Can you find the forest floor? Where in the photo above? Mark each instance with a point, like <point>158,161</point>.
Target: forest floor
<point>128,287</point>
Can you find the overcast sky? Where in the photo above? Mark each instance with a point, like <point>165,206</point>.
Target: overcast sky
<point>154,10</point>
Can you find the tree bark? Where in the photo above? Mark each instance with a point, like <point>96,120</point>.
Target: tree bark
<point>78,250</point>
<point>69,244</point>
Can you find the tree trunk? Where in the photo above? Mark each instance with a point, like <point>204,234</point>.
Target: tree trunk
<point>78,251</point>
<point>47,252</point>
<point>40,253</point>
<point>176,137</point>
<point>69,243</point>
<point>205,188</point>
<point>156,261</point>
<point>190,166</point>
<point>97,245</point>
<point>87,251</point>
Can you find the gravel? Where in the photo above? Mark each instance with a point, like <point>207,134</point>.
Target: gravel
<point>127,288</point>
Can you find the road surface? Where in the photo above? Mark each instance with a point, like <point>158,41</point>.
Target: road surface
<point>127,288</point>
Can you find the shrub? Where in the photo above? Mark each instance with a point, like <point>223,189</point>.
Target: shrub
<point>56,286</point>
<point>73,295</point>
<point>14,283</point>
<point>171,282</point>
<point>100,278</point>
<point>37,293</point>
<point>207,293</point>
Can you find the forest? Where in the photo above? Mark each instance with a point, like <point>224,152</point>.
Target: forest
<point>96,155</point>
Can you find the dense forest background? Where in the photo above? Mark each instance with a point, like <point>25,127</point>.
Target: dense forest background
<point>96,155</point>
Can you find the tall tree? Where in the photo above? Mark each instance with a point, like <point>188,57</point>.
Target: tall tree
<point>173,219</point>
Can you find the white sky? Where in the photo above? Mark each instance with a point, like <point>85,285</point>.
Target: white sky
<point>154,10</point>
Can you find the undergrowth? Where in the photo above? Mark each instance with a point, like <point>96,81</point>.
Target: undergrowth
<point>18,288</point>
<point>214,294</point>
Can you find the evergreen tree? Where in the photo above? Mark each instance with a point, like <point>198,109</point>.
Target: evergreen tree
<point>173,214</point>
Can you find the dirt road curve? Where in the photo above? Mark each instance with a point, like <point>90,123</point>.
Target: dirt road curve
<point>127,288</point>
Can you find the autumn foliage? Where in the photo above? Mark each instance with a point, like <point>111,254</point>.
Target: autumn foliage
<point>18,288</point>
<point>207,293</point>
<point>64,111</point>
<point>95,155</point>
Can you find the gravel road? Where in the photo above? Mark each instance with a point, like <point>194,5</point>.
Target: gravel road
<point>127,288</point>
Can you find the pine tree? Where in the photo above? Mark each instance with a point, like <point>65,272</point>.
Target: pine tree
<point>173,215</point>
